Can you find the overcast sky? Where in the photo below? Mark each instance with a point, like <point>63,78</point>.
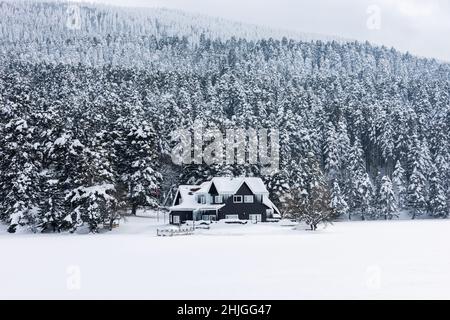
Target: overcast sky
<point>419,26</point>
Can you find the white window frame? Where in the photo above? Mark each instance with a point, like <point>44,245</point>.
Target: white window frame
<point>218,199</point>
<point>232,216</point>
<point>176,219</point>
<point>258,217</point>
<point>247,198</point>
<point>203,199</point>
<point>235,197</point>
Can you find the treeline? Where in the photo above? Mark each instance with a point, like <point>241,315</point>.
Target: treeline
<point>78,144</point>
<point>83,142</point>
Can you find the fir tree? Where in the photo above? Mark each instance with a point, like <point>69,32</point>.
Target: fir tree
<point>399,184</point>
<point>387,201</point>
<point>338,202</point>
<point>417,193</point>
<point>438,206</point>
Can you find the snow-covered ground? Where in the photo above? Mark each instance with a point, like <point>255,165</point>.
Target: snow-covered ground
<point>347,260</point>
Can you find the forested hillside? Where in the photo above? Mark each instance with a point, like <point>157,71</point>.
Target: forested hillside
<point>86,116</point>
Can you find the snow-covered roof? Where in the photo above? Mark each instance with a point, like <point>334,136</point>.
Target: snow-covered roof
<point>231,185</point>
<point>269,204</point>
<point>188,201</point>
<point>197,206</point>
<point>224,185</point>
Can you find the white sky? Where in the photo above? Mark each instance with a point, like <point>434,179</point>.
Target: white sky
<point>419,26</point>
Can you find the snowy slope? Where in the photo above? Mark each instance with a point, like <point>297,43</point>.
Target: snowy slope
<point>373,260</point>
<point>64,33</point>
<point>51,16</point>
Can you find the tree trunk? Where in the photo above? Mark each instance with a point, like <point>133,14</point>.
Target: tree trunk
<point>134,209</point>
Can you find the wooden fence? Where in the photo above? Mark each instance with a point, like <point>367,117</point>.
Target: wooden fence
<point>174,232</point>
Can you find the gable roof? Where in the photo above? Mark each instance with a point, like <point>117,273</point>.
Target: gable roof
<point>188,201</point>
<point>223,185</point>
<point>231,185</point>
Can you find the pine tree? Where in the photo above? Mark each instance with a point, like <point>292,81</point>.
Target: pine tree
<point>94,202</point>
<point>332,161</point>
<point>338,202</point>
<point>20,178</point>
<point>139,164</point>
<point>52,210</point>
<point>360,189</point>
<point>312,206</point>
<point>438,206</point>
<point>399,184</point>
<point>417,193</point>
<point>387,201</point>
<point>365,196</point>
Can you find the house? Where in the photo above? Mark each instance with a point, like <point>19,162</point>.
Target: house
<point>223,198</point>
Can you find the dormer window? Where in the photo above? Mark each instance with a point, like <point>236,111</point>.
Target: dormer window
<point>202,200</point>
<point>249,199</point>
<point>237,199</point>
<point>218,199</point>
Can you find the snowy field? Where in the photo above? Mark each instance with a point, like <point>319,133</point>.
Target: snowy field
<point>348,260</point>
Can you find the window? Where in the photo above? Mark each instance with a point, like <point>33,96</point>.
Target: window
<point>255,217</point>
<point>232,217</point>
<point>237,199</point>
<point>202,200</point>
<point>218,199</point>
<point>248,199</point>
<point>176,219</point>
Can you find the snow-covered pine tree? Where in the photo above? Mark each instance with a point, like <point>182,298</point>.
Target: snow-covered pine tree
<point>365,194</point>
<point>360,189</point>
<point>387,200</point>
<point>68,157</point>
<point>399,184</point>
<point>416,198</point>
<point>312,206</point>
<point>139,163</point>
<point>376,204</point>
<point>331,150</point>
<point>52,210</point>
<point>418,185</point>
<point>20,174</point>
<point>95,202</point>
<point>338,202</point>
<point>438,206</point>
<point>277,184</point>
